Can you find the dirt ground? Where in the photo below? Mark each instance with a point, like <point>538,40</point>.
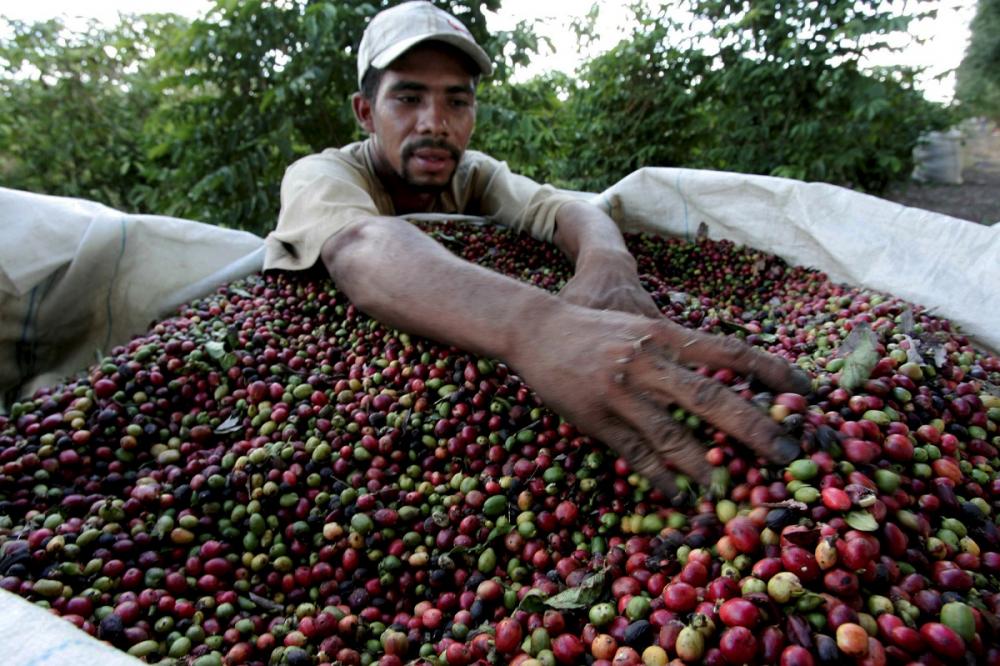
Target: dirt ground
<point>976,199</point>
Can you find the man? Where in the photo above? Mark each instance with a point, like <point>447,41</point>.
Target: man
<point>598,353</point>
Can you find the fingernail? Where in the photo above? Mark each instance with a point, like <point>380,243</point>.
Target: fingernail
<point>785,449</point>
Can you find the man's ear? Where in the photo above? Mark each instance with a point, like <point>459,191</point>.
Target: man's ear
<point>362,107</point>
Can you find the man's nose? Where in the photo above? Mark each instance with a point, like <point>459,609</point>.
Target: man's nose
<point>434,119</point>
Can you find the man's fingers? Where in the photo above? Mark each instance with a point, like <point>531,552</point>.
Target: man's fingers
<point>641,457</point>
<point>663,438</point>
<point>717,404</point>
<point>696,348</point>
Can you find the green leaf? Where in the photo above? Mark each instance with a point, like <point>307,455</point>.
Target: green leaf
<point>498,532</point>
<point>217,352</point>
<point>862,520</point>
<point>216,349</point>
<point>907,322</point>
<point>733,327</point>
<point>228,360</point>
<point>861,356</point>
<point>533,602</point>
<point>585,595</point>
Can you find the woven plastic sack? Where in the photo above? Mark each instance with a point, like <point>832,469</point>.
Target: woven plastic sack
<point>948,265</point>
<point>32,636</point>
<point>78,278</point>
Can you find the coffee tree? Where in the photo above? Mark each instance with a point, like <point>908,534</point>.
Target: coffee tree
<point>73,104</point>
<point>978,84</point>
<point>772,88</point>
<point>200,119</point>
<point>196,120</point>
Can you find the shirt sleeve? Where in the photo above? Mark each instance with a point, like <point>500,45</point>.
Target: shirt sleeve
<point>517,201</point>
<point>320,195</point>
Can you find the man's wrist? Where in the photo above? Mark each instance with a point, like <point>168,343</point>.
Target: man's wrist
<point>526,321</point>
<point>601,258</point>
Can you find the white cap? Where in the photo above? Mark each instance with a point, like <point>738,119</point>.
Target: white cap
<point>393,32</point>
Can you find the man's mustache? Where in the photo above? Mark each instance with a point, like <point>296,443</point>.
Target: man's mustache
<point>437,144</point>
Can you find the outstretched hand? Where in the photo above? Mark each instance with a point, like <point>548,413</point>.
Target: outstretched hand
<point>616,377</point>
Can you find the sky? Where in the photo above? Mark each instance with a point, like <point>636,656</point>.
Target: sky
<point>946,36</point>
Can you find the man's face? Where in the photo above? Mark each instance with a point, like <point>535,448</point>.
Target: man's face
<point>423,116</point>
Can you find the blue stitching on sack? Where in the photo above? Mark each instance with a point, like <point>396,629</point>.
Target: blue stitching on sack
<point>677,184</point>
<point>24,349</point>
<point>111,284</point>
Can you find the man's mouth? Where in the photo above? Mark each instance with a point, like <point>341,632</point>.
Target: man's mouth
<point>433,158</point>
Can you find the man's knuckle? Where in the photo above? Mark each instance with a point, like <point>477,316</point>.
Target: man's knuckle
<point>633,450</point>
<point>735,349</point>
<point>708,393</point>
<point>669,438</point>
<point>613,382</point>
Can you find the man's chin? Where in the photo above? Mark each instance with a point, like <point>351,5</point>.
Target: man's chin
<point>429,182</point>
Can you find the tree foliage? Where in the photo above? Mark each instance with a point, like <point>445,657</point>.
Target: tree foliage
<point>978,79</point>
<point>521,123</point>
<point>73,105</point>
<point>202,129</point>
<point>770,87</point>
<point>634,106</point>
<point>200,119</point>
<point>254,85</point>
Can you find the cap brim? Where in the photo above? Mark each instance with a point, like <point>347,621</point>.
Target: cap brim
<point>463,44</point>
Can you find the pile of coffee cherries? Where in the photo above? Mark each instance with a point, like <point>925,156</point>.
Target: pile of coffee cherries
<point>272,477</point>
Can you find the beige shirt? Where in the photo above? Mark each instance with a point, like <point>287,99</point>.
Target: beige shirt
<point>322,193</point>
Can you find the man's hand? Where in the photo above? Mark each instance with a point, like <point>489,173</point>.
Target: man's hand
<point>607,280</point>
<point>616,377</point>
<point>605,275</point>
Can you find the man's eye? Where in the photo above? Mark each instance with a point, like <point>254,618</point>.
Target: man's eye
<point>408,99</point>
<point>461,103</point>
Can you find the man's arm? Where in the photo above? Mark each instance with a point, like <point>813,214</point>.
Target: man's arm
<point>611,373</point>
<point>605,275</point>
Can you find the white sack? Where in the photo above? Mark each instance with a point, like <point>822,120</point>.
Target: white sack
<point>948,265</point>
<point>32,636</point>
<point>78,278</point>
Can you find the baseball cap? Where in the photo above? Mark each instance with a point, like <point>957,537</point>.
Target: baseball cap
<point>396,30</point>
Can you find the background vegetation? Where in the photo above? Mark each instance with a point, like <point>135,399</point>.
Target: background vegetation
<point>199,119</point>
<point>978,78</point>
